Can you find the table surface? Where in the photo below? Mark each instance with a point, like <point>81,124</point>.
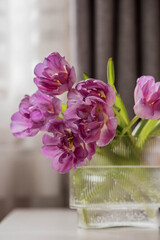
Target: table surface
<point>58,224</point>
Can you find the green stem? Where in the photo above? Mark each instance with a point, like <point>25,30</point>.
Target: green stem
<point>128,127</point>
<point>139,127</point>
<point>85,217</point>
<point>132,122</point>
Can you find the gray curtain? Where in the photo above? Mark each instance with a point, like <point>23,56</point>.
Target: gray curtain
<point>126,30</point>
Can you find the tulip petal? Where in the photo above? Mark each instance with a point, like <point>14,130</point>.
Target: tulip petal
<point>107,132</point>
<point>64,167</point>
<point>91,148</point>
<point>143,110</point>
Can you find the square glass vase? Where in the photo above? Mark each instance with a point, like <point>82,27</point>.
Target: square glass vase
<point>116,195</point>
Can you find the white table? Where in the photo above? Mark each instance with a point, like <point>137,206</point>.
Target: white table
<point>61,224</point>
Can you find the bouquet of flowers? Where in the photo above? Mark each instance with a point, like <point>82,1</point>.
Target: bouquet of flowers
<point>91,121</point>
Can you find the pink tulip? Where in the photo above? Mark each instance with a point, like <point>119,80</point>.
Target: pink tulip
<point>34,114</point>
<point>90,112</point>
<point>54,76</point>
<point>147,98</point>
<point>92,88</point>
<point>66,149</point>
<point>93,120</point>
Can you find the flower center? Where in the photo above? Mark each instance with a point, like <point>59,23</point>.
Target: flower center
<point>68,146</point>
<point>70,140</point>
<point>58,82</point>
<point>105,117</point>
<point>101,94</point>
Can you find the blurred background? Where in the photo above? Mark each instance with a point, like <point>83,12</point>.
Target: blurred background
<point>87,32</point>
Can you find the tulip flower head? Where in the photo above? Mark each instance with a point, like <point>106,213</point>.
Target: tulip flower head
<point>147,98</point>
<point>66,149</point>
<point>54,76</point>
<point>34,114</point>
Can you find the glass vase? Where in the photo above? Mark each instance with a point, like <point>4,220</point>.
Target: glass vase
<point>119,187</point>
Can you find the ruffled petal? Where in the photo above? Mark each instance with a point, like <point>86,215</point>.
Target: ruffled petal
<point>107,132</point>
<point>65,166</point>
<point>91,148</point>
<point>74,97</point>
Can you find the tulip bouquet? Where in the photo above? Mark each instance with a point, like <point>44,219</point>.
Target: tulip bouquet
<point>93,118</point>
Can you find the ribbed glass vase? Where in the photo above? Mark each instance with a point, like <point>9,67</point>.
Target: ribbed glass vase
<point>119,187</point>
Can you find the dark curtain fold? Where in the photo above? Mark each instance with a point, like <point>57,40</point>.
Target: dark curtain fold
<point>128,31</point>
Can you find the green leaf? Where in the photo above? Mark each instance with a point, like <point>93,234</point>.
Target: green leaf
<point>156,129</point>
<point>117,108</point>
<point>110,73</point>
<point>85,76</point>
<point>146,132</point>
<point>120,118</point>
<point>118,102</point>
<point>64,107</point>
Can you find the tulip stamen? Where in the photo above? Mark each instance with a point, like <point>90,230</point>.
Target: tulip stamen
<point>101,94</point>
<point>58,82</point>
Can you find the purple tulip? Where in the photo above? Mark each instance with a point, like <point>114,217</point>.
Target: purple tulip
<point>93,120</point>
<point>34,113</point>
<point>147,98</point>
<point>65,148</point>
<point>54,76</point>
<point>90,112</point>
<point>92,87</point>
